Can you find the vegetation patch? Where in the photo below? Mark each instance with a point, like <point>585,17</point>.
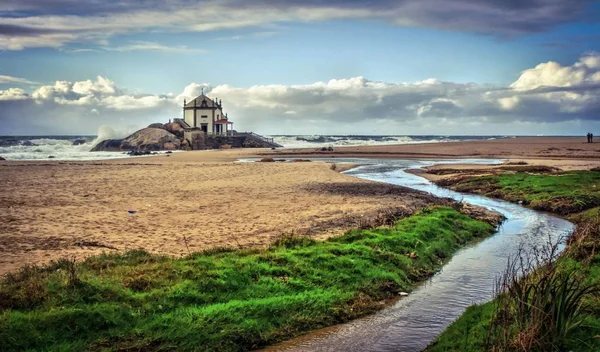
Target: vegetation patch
<point>555,307</point>
<point>225,299</point>
<point>560,193</point>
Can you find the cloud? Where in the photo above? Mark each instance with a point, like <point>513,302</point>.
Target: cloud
<point>14,80</point>
<point>151,46</point>
<point>55,23</point>
<point>264,34</point>
<point>549,94</point>
<point>13,94</point>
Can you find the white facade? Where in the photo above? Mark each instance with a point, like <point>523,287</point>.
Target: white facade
<point>206,114</point>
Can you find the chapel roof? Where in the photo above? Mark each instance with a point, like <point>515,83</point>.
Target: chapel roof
<point>198,102</point>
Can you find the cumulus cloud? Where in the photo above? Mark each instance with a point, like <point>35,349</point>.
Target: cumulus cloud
<point>548,94</point>
<point>41,23</point>
<point>13,94</point>
<point>79,107</point>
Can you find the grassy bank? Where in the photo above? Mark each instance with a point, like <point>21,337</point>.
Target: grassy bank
<point>561,193</point>
<point>225,300</point>
<point>558,306</point>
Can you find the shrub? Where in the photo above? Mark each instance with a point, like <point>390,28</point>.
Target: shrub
<point>537,309</point>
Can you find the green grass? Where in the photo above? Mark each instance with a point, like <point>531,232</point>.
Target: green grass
<point>574,194</point>
<point>225,300</point>
<point>561,193</point>
<point>481,328</point>
<point>468,333</point>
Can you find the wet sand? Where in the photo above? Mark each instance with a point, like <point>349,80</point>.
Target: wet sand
<point>546,148</point>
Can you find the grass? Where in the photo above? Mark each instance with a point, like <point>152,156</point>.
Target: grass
<point>556,307</point>
<point>561,193</point>
<point>224,299</point>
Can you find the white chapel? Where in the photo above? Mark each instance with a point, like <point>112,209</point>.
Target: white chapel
<point>207,115</point>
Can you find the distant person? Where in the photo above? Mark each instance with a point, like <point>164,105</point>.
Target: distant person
<point>589,137</point>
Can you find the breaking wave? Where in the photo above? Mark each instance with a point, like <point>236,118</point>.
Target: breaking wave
<point>315,141</point>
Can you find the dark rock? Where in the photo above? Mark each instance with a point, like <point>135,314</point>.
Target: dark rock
<point>108,145</point>
<point>169,152</point>
<point>267,160</point>
<point>301,161</point>
<point>138,152</point>
<point>51,157</point>
<point>326,149</point>
<point>79,141</point>
<point>1,158</point>
<point>320,139</point>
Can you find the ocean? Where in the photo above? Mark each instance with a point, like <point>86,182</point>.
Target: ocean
<point>78,147</point>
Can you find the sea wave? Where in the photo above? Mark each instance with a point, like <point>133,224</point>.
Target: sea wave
<point>315,141</point>
<point>52,147</point>
<point>78,147</point>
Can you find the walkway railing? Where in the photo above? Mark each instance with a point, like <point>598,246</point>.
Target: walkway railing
<point>270,140</point>
<point>182,123</point>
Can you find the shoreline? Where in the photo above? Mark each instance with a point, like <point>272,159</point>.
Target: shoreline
<point>542,148</point>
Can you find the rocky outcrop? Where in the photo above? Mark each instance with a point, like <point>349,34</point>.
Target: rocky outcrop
<point>1,158</point>
<point>174,128</point>
<point>157,125</point>
<point>79,141</point>
<point>108,145</point>
<point>147,139</point>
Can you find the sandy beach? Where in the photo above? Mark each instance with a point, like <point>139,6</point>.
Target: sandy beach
<point>194,200</point>
<point>191,201</point>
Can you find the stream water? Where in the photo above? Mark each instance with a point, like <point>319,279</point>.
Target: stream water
<point>415,321</point>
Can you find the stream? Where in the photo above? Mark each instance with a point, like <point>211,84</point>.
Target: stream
<point>413,322</point>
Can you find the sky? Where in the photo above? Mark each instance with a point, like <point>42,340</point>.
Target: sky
<point>392,67</point>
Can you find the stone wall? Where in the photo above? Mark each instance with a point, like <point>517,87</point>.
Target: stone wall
<point>198,140</point>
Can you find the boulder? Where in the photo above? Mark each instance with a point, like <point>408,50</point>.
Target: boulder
<point>169,146</point>
<point>174,128</point>
<point>79,141</point>
<point>157,125</point>
<point>150,139</point>
<point>146,139</point>
<point>108,145</point>
<point>267,160</point>
<point>1,158</point>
